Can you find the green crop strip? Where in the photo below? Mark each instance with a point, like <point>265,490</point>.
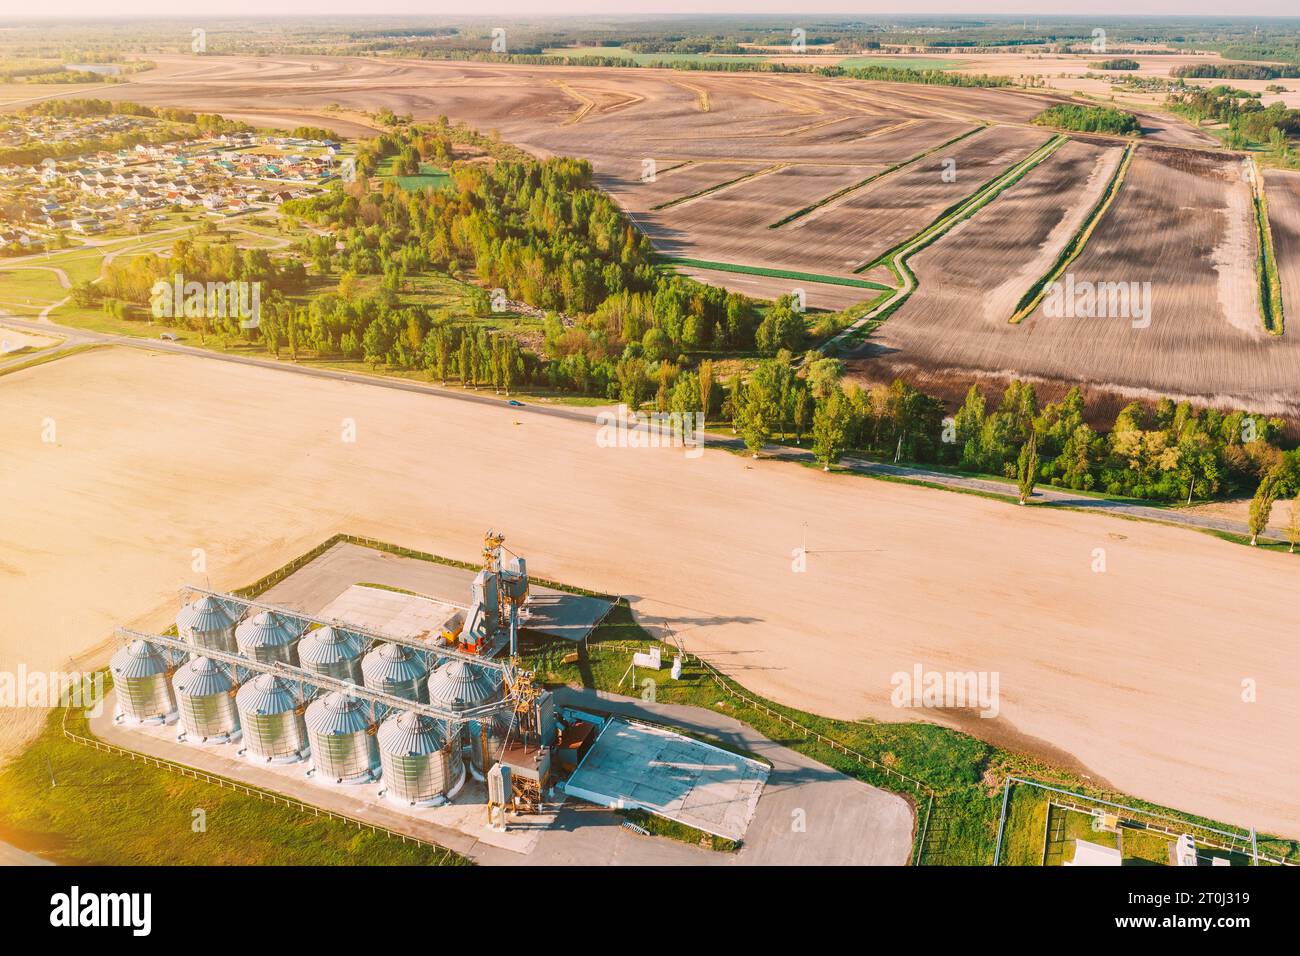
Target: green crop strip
<point>714,188</point>
<point>1270,283</point>
<point>774,273</point>
<point>1029,301</point>
<point>870,179</point>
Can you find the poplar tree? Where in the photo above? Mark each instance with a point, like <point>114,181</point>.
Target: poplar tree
<point>1027,468</point>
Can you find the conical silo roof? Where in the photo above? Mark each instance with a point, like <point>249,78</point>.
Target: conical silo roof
<point>460,685</point>
<point>392,664</point>
<point>410,734</point>
<point>266,629</point>
<point>201,677</point>
<point>325,645</point>
<point>336,714</point>
<point>266,694</point>
<point>204,615</point>
<point>138,659</point>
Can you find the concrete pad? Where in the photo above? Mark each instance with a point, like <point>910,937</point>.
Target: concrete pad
<point>672,775</point>
<point>402,615</point>
<point>328,579</point>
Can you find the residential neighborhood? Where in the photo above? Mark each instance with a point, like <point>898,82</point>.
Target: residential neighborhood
<point>90,194</point>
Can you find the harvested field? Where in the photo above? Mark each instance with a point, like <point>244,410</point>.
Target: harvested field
<point>100,530</point>
<point>1283,191</point>
<point>852,231</point>
<point>674,181</point>
<point>1183,222</point>
<point>731,225</point>
<point>971,279</point>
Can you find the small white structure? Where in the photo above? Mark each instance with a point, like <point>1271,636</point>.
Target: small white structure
<point>1185,851</point>
<point>1093,854</point>
<point>651,661</point>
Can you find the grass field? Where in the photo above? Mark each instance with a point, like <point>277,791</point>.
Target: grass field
<point>1041,829</point>
<point>79,806</point>
<point>429,176</point>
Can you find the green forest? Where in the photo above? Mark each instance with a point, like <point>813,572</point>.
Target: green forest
<point>1089,119</point>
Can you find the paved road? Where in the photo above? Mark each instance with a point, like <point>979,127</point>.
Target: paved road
<point>847,822</point>
<point>587,415</point>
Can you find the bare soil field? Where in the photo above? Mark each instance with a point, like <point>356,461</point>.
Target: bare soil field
<point>1283,191</point>
<point>850,232</point>
<point>971,280</point>
<point>1183,222</point>
<point>1135,673</point>
<point>673,182</point>
<point>731,225</point>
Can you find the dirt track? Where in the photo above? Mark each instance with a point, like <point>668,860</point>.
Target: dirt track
<point>1134,674</point>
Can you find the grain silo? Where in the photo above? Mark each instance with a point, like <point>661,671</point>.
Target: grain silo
<point>141,676</point>
<point>272,720</point>
<point>343,747</point>
<point>269,637</point>
<point>205,696</point>
<point>421,766</point>
<point>459,685</point>
<point>331,652</point>
<point>208,625</point>
<point>398,670</point>
<point>501,726</point>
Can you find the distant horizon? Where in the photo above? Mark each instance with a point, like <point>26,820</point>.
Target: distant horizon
<point>653,9</point>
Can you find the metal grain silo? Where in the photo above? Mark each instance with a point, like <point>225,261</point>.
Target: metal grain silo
<point>398,670</point>
<point>269,637</point>
<point>459,685</point>
<point>205,695</point>
<point>500,727</point>
<point>343,747</point>
<point>331,652</point>
<point>421,767</point>
<point>141,676</point>
<point>208,625</point>
<point>272,720</point>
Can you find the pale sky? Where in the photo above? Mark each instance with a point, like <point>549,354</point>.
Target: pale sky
<point>532,9</point>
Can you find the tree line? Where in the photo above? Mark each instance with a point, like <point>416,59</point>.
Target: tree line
<point>1166,452</point>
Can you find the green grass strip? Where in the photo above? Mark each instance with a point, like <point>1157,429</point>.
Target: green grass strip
<point>716,186</point>
<point>774,273</point>
<point>1029,301</point>
<point>1270,283</point>
<point>871,179</point>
